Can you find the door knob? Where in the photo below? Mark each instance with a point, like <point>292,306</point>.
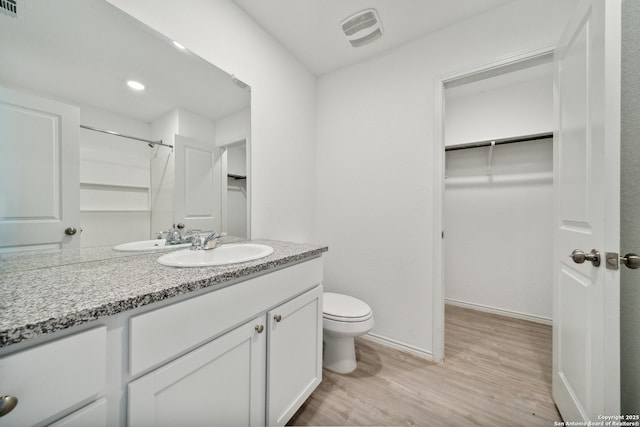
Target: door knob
<point>70,231</point>
<point>631,260</point>
<point>7,403</point>
<point>579,257</point>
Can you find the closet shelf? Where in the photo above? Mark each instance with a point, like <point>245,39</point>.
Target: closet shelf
<point>111,211</point>
<point>500,141</point>
<point>114,187</point>
<point>234,176</point>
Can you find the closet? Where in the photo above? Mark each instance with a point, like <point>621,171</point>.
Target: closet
<point>498,191</point>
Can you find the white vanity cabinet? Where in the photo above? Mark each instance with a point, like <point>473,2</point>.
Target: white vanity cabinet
<point>247,353</point>
<point>264,360</point>
<point>53,379</point>
<point>295,354</point>
<point>220,383</point>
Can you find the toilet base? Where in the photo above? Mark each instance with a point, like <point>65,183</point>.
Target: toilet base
<point>339,354</point>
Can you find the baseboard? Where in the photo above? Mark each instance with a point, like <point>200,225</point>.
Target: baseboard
<point>500,311</point>
<point>400,346</point>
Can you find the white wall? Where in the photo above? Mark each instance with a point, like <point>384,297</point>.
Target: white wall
<point>519,103</point>
<point>375,161</point>
<point>163,172</point>
<point>498,229</point>
<point>233,128</point>
<point>282,106</point>
<point>114,179</point>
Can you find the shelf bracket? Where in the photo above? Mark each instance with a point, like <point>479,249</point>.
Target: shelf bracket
<point>490,157</point>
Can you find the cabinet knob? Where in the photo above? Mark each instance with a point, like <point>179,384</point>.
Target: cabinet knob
<point>70,231</point>
<point>259,328</point>
<point>7,403</point>
<point>277,317</point>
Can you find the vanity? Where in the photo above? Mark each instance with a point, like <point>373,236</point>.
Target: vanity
<point>106,338</point>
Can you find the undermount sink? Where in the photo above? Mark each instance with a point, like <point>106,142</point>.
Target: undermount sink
<point>231,253</point>
<point>148,245</point>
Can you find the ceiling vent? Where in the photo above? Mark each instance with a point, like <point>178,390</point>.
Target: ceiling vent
<point>362,28</point>
<point>9,7</point>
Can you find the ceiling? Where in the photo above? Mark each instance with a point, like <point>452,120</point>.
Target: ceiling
<point>81,51</point>
<point>310,29</point>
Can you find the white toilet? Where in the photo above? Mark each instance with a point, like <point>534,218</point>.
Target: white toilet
<point>343,318</point>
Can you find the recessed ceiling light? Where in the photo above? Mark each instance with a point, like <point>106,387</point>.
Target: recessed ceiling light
<point>135,85</point>
<point>178,45</point>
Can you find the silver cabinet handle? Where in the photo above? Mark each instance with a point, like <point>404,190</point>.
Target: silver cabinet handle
<point>70,231</point>
<point>631,261</point>
<point>259,328</point>
<point>7,403</point>
<point>277,317</point>
<point>579,257</point>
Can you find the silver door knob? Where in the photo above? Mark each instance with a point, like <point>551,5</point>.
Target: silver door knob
<point>7,403</point>
<point>579,257</point>
<point>70,231</point>
<point>277,317</point>
<point>631,261</point>
<point>259,328</point>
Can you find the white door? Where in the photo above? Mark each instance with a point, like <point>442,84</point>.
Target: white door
<point>198,184</point>
<point>295,355</point>
<point>221,383</point>
<point>39,178</point>
<point>586,347</point>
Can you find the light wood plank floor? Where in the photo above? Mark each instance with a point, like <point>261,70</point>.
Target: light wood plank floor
<point>497,372</point>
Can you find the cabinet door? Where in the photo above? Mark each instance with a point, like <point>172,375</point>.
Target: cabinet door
<point>220,383</point>
<point>53,378</point>
<point>295,354</point>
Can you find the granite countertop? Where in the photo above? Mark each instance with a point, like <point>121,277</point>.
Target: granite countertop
<point>44,292</point>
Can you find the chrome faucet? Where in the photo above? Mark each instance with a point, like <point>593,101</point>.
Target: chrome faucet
<point>209,242</point>
<point>175,237</point>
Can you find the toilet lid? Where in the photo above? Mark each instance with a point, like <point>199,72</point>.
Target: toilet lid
<point>344,306</point>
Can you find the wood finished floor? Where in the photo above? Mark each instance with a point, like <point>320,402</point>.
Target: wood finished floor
<point>497,372</point>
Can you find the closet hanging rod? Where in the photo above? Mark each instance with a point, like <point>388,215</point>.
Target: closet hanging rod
<point>500,141</point>
<point>110,132</point>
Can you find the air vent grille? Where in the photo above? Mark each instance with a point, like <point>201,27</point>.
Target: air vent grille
<point>362,28</point>
<point>9,7</point>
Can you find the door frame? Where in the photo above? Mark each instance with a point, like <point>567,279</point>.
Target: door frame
<point>470,74</point>
<point>223,175</point>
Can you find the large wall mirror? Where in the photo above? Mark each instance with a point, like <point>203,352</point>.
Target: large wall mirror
<point>64,70</point>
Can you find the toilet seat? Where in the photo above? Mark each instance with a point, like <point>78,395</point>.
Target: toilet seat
<point>343,308</point>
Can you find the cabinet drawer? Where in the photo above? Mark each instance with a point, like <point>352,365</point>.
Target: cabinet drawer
<point>159,335</point>
<point>54,377</point>
<point>94,415</point>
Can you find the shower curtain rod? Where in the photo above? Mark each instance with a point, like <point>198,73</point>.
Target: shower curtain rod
<point>500,141</point>
<point>110,132</point>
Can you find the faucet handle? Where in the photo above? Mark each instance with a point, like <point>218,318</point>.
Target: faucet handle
<point>211,241</point>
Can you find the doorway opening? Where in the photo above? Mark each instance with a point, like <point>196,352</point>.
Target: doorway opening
<point>235,189</point>
<point>495,172</point>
